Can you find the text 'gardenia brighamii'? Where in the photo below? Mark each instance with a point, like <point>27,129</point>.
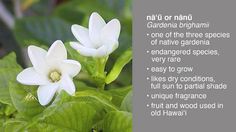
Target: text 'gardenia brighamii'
<point>51,70</point>
<point>100,40</point>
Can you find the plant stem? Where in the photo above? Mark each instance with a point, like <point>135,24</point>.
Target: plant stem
<point>101,63</point>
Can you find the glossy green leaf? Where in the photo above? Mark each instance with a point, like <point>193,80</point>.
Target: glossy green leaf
<point>81,86</point>
<point>8,71</point>
<point>10,110</point>
<point>14,125</point>
<point>98,101</point>
<point>126,104</point>
<point>68,117</point>
<point>6,74</point>
<point>118,94</point>
<point>81,9</point>
<point>9,61</point>
<point>41,30</point>
<point>96,98</point>
<point>1,124</point>
<point>118,66</point>
<point>118,121</point>
<point>65,11</point>
<point>116,5</point>
<point>40,8</point>
<point>24,99</point>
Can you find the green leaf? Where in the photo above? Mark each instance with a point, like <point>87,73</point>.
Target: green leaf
<point>9,110</point>
<point>14,125</point>
<point>97,99</point>
<point>8,71</point>
<point>65,11</point>
<point>118,121</point>
<point>68,117</point>
<point>73,113</point>
<point>40,8</point>
<point>9,61</point>
<point>1,124</point>
<point>81,86</point>
<point>5,76</point>
<point>126,105</point>
<point>118,66</point>
<point>41,30</point>
<point>82,9</point>
<point>118,94</point>
<point>25,100</point>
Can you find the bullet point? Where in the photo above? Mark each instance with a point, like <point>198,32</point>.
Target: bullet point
<point>147,51</point>
<point>147,78</point>
<point>147,34</point>
<point>147,105</point>
<point>147,95</point>
<point>147,68</point>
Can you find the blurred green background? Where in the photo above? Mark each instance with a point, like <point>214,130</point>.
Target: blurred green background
<point>41,22</point>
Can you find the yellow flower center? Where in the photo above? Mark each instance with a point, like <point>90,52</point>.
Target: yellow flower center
<point>54,76</point>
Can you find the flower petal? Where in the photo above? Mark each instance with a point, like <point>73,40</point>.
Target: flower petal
<point>112,45</point>
<point>102,51</point>
<point>57,52</point>
<point>67,84</point>
<point>96,23</point>
<point>30,77</point>
<point>83,50</point>
<point>111,30</point>
<point>107,48</point>
<point>82,35</point>
<point>70,67</point>
<point>46,92</point>
<point>37,57</point>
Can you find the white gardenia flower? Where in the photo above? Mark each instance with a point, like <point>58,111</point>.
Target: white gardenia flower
<point>100,40</point>
<point>51,70</point>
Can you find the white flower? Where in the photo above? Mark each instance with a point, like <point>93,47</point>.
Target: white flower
<point>51,70</point>
<point>99,40</point>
